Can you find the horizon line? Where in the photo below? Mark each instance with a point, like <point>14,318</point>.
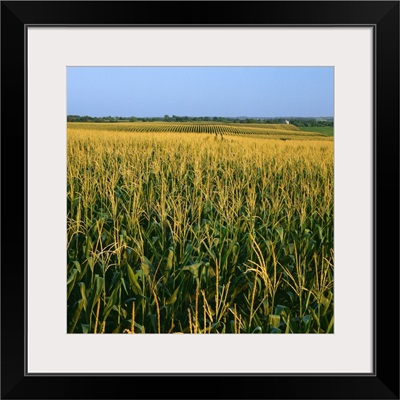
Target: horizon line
<point>194,116</point>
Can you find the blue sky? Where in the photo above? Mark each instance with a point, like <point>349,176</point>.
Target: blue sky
<point>200,91</point>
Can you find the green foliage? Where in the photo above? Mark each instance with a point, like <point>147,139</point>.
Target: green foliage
<point>300,122</point>
<point>326,130</point>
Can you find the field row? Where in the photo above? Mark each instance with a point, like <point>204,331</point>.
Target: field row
<point>216,129</point>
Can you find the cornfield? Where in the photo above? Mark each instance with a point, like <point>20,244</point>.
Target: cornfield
<point>183,231</point>
<point>286,130</point>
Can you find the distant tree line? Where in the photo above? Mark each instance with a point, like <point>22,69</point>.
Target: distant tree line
<point>301,122</point>
<point>87,118</point>
<point>297,121</point>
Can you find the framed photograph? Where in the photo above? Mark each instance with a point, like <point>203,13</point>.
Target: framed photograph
<point>210,196</point>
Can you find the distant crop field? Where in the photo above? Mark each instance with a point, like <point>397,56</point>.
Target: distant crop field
<point>326,130</point>
<point>173,229</point>
<point>282,130</point>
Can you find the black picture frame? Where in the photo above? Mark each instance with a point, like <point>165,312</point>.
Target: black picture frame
<point>383,383</point>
